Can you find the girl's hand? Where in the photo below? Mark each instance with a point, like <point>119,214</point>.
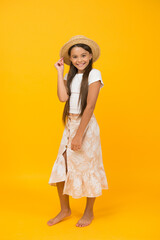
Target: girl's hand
<point>76,143</point>
<point>59,65</point>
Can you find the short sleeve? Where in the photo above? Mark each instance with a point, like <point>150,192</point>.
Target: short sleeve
<point>95,75</point>
<point>65,77</point>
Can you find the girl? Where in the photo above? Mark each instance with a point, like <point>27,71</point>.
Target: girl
<point>78,170</point>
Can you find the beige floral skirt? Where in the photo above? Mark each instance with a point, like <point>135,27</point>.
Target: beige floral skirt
<point>85,175</point>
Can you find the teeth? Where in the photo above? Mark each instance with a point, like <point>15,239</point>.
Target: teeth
<point>80,64</point>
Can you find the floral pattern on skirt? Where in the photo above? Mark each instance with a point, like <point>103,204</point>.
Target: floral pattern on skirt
<point>86,175</point>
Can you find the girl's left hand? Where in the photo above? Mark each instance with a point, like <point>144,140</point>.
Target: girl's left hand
<point>76,143</point>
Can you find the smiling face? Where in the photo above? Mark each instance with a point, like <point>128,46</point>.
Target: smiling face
<point>80,58</point>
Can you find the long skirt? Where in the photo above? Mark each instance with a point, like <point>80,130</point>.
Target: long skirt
<point>85,176</point>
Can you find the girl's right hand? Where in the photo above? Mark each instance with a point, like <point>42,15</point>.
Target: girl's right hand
<point>59,65</point>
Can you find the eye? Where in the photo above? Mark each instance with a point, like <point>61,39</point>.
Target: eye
<point>82,56</point>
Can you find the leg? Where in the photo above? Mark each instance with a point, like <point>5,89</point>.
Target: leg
<point>88,213</point>
<point>64,201</point>
<point>64,198</point>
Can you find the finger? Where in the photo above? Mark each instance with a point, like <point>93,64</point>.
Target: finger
<point>59,60</point>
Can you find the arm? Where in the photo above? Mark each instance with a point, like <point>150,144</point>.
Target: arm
<point>93,92</point>
<point>62,88</point>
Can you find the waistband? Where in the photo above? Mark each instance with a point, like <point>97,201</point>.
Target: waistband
<point>75,117</point>
<point>78,117</point>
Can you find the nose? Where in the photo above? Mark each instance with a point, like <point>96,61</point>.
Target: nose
<point>79,60</point>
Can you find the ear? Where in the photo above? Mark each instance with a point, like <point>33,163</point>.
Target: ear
<point>91,56</point>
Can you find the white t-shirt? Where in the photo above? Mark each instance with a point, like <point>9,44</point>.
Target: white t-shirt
<point>94,75</point>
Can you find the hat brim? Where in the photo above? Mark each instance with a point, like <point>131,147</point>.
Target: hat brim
<point>79,39</point>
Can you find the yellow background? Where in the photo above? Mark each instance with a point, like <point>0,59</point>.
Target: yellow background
<point>127,111</point>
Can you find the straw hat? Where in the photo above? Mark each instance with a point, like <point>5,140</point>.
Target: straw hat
<point>79,39</point>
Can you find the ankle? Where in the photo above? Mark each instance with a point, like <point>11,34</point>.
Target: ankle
<point>65,209</point>
<point>88,211</point>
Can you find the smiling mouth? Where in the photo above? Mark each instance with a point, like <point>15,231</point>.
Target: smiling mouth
<point>80,65</point>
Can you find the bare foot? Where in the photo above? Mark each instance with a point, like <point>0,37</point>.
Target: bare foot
<point>59,217</point>
<point>85,220</point>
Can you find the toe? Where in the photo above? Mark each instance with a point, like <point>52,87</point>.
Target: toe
<point>77,224</point>
<point>49,223</point>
